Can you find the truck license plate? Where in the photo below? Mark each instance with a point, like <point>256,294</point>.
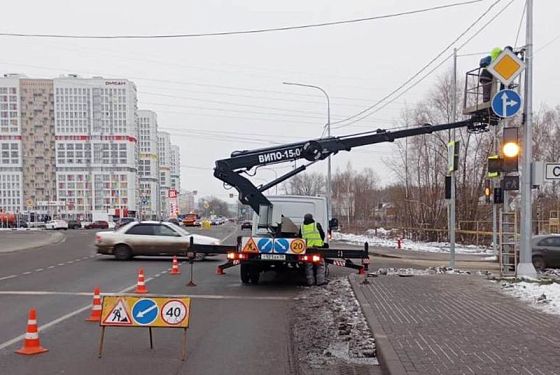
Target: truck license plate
<point>273,257</point>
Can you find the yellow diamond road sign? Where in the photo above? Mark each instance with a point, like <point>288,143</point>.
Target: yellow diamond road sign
<point>506,67</point>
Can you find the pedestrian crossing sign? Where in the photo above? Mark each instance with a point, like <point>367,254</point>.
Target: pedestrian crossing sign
<point>118,315</point>
<point>249,246</point>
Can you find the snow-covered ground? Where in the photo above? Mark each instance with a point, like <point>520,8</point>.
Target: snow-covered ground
<point>542,296</point>
<point>329,329</point>
<point>431,247</point>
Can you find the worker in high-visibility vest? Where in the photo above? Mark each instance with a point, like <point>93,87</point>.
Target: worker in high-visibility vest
<point>314,236</point>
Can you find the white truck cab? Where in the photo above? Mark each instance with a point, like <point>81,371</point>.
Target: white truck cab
<point>293,207</point>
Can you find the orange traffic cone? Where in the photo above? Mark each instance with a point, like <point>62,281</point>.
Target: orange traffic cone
<point>141,287</point>
<point>175,267</point>
<point>31,343</point>
<point>95,307</point>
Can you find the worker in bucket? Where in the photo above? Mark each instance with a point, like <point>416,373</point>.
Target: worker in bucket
<point>314,236</point>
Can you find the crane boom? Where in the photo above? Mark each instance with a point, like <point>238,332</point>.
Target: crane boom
<point>229,170</point>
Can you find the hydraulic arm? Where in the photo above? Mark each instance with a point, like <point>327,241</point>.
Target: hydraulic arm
<point>230,170</point>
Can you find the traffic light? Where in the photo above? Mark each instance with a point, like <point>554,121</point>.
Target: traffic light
<point>487,191</point>
<point>510,149</point>
<point>498,195</point>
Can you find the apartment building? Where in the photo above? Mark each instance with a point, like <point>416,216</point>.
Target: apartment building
<point>11,173</point>
<point>96,145</point>
<point>38,144</point>
<point>175,167</point>
<point>148,165</point>
<point>164,150</point>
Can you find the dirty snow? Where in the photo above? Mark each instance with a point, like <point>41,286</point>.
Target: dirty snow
<point>330,330</point>
<point>382,240</point>
<point>418,272</point>
<point>545,297</point>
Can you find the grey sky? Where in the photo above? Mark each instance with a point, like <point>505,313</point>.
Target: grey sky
<point>228,93</point>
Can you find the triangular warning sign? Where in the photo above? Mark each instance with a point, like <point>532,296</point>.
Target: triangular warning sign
<point>250,246</point>
<point>119,315</point>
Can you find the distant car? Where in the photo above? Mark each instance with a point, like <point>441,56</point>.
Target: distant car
<point>98,224</point>
<point>148,238</point>
<point>546,251</point>
<point>74,224</point>
<point>124,221</point>
<point>173,220</point>
<point>247,224</point>
<point>56,224</point>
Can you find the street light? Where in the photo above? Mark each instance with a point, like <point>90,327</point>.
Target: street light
<point>328,125</point>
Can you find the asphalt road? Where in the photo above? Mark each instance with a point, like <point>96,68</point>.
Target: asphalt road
<point>234,329</point>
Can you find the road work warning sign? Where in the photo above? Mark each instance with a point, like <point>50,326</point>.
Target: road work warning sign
<point>144,311</point>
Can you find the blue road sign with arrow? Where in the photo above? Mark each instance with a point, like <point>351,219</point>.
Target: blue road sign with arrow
<point>145,311</point>
<point>281,245</point>
<point>506,103</point>
<point>265,245</point>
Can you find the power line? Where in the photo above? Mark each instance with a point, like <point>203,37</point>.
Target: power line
<point>434,69</point>
<point>420,71</point>
<point>241,32</point>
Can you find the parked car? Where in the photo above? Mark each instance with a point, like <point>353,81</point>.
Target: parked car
<point>247,224</point>
<point>98,224</point>
<point>56,224</point>
<point>546,251</point>
<point>74,224</point>
<point>148,238</point>
<point>123,221</point>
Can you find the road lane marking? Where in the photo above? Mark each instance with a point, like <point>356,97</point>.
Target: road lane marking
<point>27,273</point>
<point>7,277</point>
<point>52,323</point>
<point>89,294</point>
<point>229,235</point>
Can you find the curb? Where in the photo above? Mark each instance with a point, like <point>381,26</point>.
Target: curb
<point>53,239</point>
<point>386,354</point>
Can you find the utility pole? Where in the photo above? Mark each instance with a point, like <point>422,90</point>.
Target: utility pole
<point>526,267</point>
<point>452,219</point>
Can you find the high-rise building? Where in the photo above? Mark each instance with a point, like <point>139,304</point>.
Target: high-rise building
<point>96,145</point>
<point>164,150</point>
<point>11,176</point>
<point>148,165</point>
<point>38,145</point>
<point>175,168</point>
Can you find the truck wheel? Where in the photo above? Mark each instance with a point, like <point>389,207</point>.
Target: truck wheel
<point>245,272</point>
<point>254,275</point>
<point>122,252</point>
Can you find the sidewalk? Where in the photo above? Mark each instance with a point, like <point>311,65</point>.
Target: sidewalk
<point>424,255</point>
<point>455,324</point>
<point>21,240</point>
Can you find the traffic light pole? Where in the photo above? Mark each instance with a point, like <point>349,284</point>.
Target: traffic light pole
<point>452,219</point>
<point>526,267</point>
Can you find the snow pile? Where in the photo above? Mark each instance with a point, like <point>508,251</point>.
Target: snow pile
<point>403,272</point>
<point>329,328</point>
<point>430,247</point>
<point>542,296</point>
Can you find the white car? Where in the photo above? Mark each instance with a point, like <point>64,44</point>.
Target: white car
<point>149,238</point>
<point>56,224</point>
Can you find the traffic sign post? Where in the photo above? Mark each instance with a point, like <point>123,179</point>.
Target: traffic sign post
<point>506,103</point>
<point>148,312</point>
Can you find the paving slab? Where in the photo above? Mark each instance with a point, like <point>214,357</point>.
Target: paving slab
<point>456,324</point>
